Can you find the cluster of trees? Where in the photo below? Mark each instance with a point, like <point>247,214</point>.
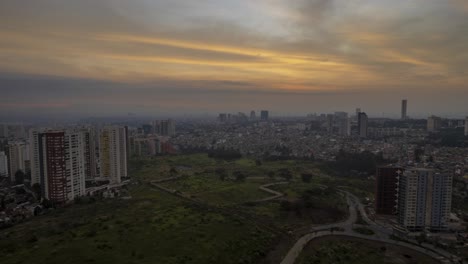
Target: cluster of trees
<point>223,175</point>
<point>453,137</point>
<point>307,200</point>
<point>225,154</point>
<point>365,161</point>
<point>285,173</point>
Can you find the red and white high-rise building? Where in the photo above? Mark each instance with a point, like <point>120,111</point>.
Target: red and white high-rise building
<point>62,164</point>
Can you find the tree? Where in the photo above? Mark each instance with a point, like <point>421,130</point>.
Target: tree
<point>421,238</point>
<point>19,177</point>
<point>306,177</point>
<point>36,188</point>
<point>285,173</point>
<point>27,175</point>
<point>431,158</point>
<point>271,174</point>
<point>48,204</point>
<point>240,177</point>
<point>2,205</point>
<point>258,162</point>
<point>221,172</point>
<point>173,171</point>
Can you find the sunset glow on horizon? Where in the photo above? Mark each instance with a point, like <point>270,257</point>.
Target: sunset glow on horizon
<point>382,47</point>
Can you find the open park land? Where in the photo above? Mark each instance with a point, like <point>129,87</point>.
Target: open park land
<point>196,209</point>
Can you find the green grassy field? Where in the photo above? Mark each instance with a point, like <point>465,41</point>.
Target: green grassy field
<point>203,184</point>
<point>153,227</point>
<point>324,207</point>
<point>346,250</point>
<point>220,225</point>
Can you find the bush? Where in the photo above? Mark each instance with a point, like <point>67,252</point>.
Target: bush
<point>32,239</point>
<point>306,177</point>
<point>363,231</point>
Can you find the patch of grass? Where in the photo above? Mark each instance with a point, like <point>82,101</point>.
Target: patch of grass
<point>364,231</point>
<point>153,227</point>
<point>346,250</point>
<point>319,207</point>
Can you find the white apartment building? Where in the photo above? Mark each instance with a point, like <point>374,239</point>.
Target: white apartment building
<point>424,199</point>
<point>434,123</point>
<point>18,158</point>
<point>75,163</point>
<point>113,153</point>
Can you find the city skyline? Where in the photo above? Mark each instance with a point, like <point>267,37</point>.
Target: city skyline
<point>100,58</point>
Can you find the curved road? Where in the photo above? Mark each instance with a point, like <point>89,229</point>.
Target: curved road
<point>381,235</point>
<point>346,227</point>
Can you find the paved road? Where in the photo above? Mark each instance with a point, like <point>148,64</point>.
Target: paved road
<point>347,224</point>
<point>303,241</point>
<point>381,234</point>
<point>385,232</point>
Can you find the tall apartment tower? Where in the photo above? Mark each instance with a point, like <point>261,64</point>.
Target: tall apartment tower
<point>386,194</point>
<point>424,200</point>
<point>17,155</point>
<point>343,122</point>
<point>62,165</point>
<point>164,127</point>
<point>466,126</point>
<point>362,124</point>
<point>264,115</point>
<point>253,115</point>
<point>91,142</point>
<point>3,165</point>
<point>404,105</point>
<point>3,131</point>
<point>34,155</point>
<point>171,127</point>
<point>434,123</point>
<point>113,153</point>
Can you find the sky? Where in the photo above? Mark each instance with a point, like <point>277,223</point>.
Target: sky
<point>175,57</point>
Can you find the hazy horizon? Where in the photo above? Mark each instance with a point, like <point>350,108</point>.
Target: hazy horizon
<point>62,59</point>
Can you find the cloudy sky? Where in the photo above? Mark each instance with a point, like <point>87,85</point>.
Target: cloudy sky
<point>110,57</point>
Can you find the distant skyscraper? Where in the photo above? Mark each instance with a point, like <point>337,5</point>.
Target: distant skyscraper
<point>113,153</point>
<point>358,110</point>
<point>164,127</point>
<point>404,105</point>
<point>3,165</point>
<point>424,199</point>
<point>3,131</point>
<point>466,126</point>
<point>434,123</point>
<point>17,155</point>
<point>252,115</point>
<point>386,194</point>
<point>330,122</point>
<point>222,117</point>
<point>343,122</point>
<point>264,115</point>
<point>362,124</point>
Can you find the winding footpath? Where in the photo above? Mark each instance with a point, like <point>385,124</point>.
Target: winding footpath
<point>275,194</point>
<point>346,229</point>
